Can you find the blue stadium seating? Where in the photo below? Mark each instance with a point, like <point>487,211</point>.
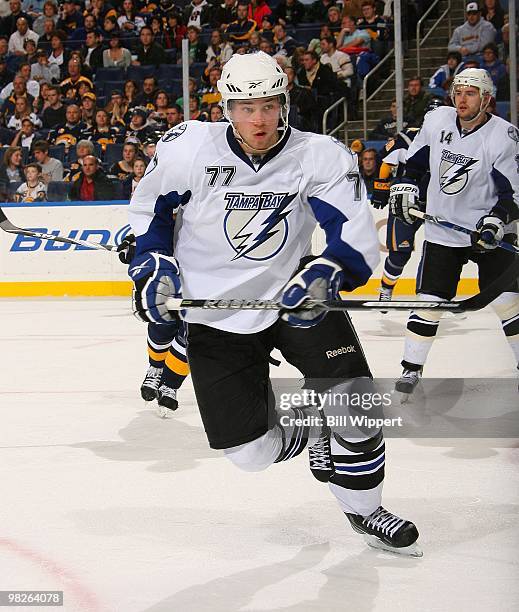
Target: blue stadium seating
<point>109,74</point>
<point>374,144</point>
<point>170,71</point>
<point>58,191</point>
<point>58,152</point>
<point>503,109</point>
<point>138,73</point>
<point>113,154</point>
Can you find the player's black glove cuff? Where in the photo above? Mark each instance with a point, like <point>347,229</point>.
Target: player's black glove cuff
<point>126,249</point>
<point>506,210</point>
<point>380,196</point>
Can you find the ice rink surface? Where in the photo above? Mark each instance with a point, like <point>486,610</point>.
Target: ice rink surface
<point>127,512</point>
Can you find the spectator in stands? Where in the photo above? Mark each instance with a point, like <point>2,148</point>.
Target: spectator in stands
<point>30,85</point>
<point>174,32</point>
<point>132,180</point>
<point>21,34</point>
<point>130,91</point>
<point>195,113</point>
<point>318,10</point>
<point>59,55</point>
<point>10,170</point>
<point>283,44</point>
<point>334,19</point>
<point>41,71</point>
<point>173,116</point>
<point>215,113</point>
<point>210,94</point>
<point>304,113</point>
<point>315,43</point>
<point>320,79</point>
<point>225,14</point>
<point>118,108</point>
<point>124,167</point>
<point>88,109</point>
<point>4,45</point>
<point>74,78</point>
<point>240,30</point>
<point>146,98</point>
<point>51,168</point>
<point>83,149</point>
<point>416,100</point>
<point>71,18</point>
<point>497,70</point>
<point>447,71</point>
<point>129,20</point>
<point>369,168</point>
<point>33,189</point>
<point>259,10</point>
<point>109,26</point>
<point>149,148</point>
<point>386,128</point>
<point>54,113</point>
<point>50,11</point>
<point>493,11</point>
<point>19,90</point>
<point>45,39</point>
<point>8,24</point>
<point>254,42</point>
<point>219,50</point>
<point>6,76</point>
<point>157,28</point>
<point>116,55</point>
<point>137,127</point>
<point>474,34</point>
<point>192,87</point>
<point>352,8</point>
<point>71,131</point>
<point>352,38</point>
<point>92,51</point>
<point>101,11</point>
<point>289,13</point>
<point>376,26</point>
<point>338,61</point>
<point>199,13</point>
<point>22,110</point>
<point>29,47</point>
<point>92,183</point>
<point>26,135</point>
<point>104,133</point>
<point>78,37</point>
<point>197,49</point>
<point>149,53</point>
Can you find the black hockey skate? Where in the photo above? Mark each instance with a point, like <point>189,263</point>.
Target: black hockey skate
<point>385,295</point>
<point>167,400</point>
<point>151,383</point>
<point>387,531</point>
<point>320,457</point>
<point>408,381</point>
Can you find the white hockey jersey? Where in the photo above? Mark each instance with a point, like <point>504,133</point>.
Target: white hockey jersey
<point>469,173</point>
<point>243,227</point>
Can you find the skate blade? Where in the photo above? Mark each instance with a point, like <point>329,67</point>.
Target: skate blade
<point>406,551</point>
<point>163,412</point>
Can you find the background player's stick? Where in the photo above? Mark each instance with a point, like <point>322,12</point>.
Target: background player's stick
<point>7,226</point>
<point>419,214</point>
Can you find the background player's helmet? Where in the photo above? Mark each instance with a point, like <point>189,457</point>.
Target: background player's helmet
<point>434,103</point>
<point>254,75</point>
<point>475,77</point>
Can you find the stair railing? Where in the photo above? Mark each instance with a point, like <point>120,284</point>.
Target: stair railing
<point>365,98</point>
<point>343,124</point>
<point>420,41</point>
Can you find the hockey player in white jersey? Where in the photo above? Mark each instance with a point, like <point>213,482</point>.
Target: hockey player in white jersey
<point>473,159</point>
<point>249,194</point>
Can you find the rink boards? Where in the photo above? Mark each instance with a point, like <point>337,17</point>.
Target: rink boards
<point>34,267</point>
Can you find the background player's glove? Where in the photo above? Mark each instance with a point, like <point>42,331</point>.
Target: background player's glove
<point>156,278</point>
<point>402,197</point>
<point>490,230</point>
<point>320,280</point>
<point>380,195</point>
<point>126,249</point>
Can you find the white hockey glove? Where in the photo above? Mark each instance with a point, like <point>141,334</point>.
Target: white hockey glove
<point>403,196</point>
<point>320,279</point>
<point>490,231</point>
<point>156,278</point>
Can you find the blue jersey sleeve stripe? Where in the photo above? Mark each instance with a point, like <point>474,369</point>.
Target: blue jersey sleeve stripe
<point>418,163</point>
<point>331,219</point>
<point>159,237</point>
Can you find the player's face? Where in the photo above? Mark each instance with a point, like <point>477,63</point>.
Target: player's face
<point>467,102</point>
<point>257,121</point>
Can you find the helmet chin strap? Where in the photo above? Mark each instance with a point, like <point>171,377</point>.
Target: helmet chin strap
<point>482,108</point>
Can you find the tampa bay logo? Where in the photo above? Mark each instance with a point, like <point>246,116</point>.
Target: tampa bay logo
<point>256,224</point>
<point>454,171</point>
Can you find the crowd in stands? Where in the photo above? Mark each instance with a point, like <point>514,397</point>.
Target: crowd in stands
<point>87,87</point>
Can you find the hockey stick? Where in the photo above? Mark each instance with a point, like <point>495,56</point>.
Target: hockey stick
<point>7,226</point>
<point>419,214</point>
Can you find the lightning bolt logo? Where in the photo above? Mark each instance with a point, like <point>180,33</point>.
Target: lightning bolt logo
<point>454,178</point>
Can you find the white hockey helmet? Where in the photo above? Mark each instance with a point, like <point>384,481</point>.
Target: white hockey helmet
<point>254,75</point>
<point>475,77</point>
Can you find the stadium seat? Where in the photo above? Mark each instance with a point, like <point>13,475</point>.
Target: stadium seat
<point>58,152</point>
<point>6,136</point>
<point>139,73</point>
<point>109,74</point>
<point>105,88</point>
<point>26,153</point>
<point>197,69</point>
<point>11,190</point>
<point>113,154</point>
<point>57,191</point>
<point>503,109</point>
<point>374,144</point>
<point>2,153</point>
<point>170,71</point>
